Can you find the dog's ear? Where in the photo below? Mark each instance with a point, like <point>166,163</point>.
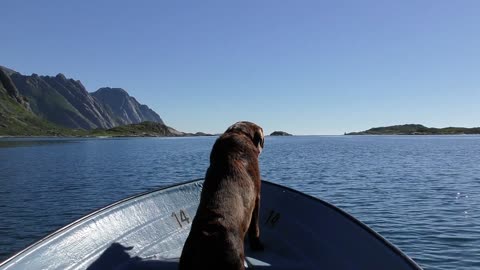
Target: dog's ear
<point>259,139</point>
<point>239,127</point>
<point>252,130</point>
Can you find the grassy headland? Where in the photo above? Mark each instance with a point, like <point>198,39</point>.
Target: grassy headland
<point>416,129</point>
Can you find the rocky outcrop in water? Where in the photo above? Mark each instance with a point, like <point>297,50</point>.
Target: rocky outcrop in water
<point>280,133</point>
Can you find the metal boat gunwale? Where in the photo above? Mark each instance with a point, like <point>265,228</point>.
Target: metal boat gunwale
<point>362,225</point>
<point>93,213</point>
<point>90,214</point>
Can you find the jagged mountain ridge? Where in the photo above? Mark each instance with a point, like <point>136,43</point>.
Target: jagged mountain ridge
<point>123,108</point>
<point>62,101</point>
<point>66,102</point>
<point>10,89</point>
<point>16,118</point>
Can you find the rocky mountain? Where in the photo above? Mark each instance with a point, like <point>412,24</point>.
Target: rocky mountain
<point>123,108</point>
<point>16,118</point>
<point>62,101</point>
<point>66,102</point>
<point>10,89</point>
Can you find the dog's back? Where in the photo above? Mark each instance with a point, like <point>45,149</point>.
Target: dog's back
<point>228,198</point>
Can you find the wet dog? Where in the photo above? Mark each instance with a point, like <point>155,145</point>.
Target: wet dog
<point>229,203</point>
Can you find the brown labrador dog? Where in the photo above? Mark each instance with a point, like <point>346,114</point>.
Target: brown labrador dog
<point>229,203</point>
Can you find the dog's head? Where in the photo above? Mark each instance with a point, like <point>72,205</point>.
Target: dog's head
<point>253,131</point>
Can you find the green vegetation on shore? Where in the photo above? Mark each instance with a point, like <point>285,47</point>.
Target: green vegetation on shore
<point>38,127</point>
<point>16,118</point>
<point>415,129</point>
<point>144,129</point>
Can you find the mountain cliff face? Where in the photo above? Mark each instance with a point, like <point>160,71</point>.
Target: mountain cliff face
<point>9,87</point>
<point>62,101</point>
<point>123,108</point>
<point>16,118</point>
<point>66,102</point>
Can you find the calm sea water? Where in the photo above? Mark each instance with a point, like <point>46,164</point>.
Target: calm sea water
<point>420,192</point>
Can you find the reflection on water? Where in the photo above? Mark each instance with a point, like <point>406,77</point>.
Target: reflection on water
<point>421,192</point>
<point>29,142</point>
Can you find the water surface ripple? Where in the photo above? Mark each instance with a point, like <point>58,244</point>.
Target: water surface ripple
<point>422,193</point>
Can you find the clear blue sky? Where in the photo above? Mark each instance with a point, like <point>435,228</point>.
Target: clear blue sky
<point>306,67</point>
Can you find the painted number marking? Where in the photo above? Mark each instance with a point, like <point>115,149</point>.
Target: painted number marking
<point>273,218</point>
<point>181,218</point>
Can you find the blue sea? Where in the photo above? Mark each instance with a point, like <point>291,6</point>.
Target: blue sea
<point>422,193</point>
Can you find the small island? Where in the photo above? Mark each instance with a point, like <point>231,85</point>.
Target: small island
<point>416,129</point>
<point>280,133</point>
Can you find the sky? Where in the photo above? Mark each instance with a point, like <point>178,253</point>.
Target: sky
<point>304,67</point>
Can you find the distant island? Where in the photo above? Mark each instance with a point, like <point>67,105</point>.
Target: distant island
<point>416,129</point>
<point>280,133</point>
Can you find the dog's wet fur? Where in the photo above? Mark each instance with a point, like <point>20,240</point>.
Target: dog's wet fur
<point>229,203</point>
